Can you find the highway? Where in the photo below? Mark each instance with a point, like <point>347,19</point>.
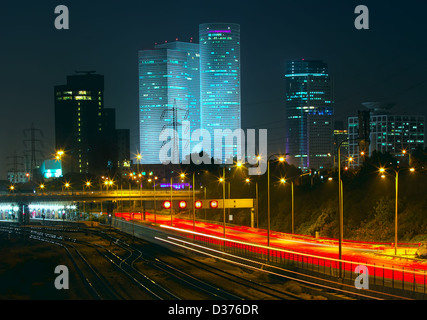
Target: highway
<point>378,257</point>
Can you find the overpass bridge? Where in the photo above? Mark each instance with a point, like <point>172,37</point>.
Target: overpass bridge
<point>109,195</point>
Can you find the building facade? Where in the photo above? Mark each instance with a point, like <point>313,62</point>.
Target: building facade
<point>398,135</point>
<point>220,87</point>
<point>168,99</point>
<point>309,114</point>
<point>340,140</point>
<point>84,129</point>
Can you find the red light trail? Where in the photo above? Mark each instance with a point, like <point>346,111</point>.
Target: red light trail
<point>372,254</point>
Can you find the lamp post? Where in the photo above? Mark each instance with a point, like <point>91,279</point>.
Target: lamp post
<point>256,199</point>
<point>222,180</point>
<point>194,208</point>
<point>340,207</point>
<point>396,206</point>
<point>171,209</point>
<point>193,197</point>
<point>281,158</point>
<point>292,203</point>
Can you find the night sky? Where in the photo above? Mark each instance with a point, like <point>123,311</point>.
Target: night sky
<point>385,63</point>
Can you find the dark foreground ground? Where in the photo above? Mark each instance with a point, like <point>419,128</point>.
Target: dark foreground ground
<point>27,270</point>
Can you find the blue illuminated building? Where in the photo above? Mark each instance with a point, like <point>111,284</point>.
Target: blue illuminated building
<point>220,92</point>
<point>51,169</point>
<point>168,81</point>
<point>309,114</point>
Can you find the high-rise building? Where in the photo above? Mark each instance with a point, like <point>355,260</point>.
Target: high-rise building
<point>340,139</point>
<point>398,135</point>
<point>168,95</point>
<point>309,114</point>
<point>123,148</point>
<point>84,129</point>
<point>220,93</point>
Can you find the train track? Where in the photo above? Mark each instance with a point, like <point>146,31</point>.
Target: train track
<point>96,282</point>
<point>211,275</point>
<point>134,261</point>
<point>159,272</point>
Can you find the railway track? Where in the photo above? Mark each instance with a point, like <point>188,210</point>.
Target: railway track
<point>133,262</point>
<point>155,271</point>
<point>211,275</point>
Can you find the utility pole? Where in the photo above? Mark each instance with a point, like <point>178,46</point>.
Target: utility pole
<point>15,165</point>
<point>33,150</point>
<point>174,109</point>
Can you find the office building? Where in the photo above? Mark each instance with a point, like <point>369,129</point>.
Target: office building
<point>309,114</point>
<point>84,129</point>
<point>168,99</point>
<point>398,135</point>
<point>220,89</point>
<point>340,140</point>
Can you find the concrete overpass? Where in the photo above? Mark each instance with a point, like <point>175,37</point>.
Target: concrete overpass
<point>109,195</point>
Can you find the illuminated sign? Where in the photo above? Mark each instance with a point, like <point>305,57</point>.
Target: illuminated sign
<point>177,186</point>
<point>213,204</point>
<point>167,204</point>
<point>182,204</point>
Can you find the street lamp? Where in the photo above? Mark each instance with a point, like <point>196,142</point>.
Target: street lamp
<point>182,175</point>
<point>222,180</point>
<point>256,198</point>
<point>396,208</point>
<point>41,186</point>
<point>340,207</point>
<point>281,158</point>
<point>283,180</point>
<point>59,154</point>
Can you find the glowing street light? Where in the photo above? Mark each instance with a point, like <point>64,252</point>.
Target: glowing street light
<point>396,208</point>
<point>59,154</point>
<point>281,158</point>
<point>222,180</point>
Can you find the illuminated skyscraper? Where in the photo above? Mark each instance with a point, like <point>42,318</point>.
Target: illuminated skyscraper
<point>220,106</point>
<point>309,114</point>
<point>398,135</point>
<point>168,82</point>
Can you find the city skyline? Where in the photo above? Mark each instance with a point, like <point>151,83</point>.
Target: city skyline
<point>367,65</point>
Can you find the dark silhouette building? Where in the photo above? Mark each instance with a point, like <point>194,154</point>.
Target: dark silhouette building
<point>84,129</point>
